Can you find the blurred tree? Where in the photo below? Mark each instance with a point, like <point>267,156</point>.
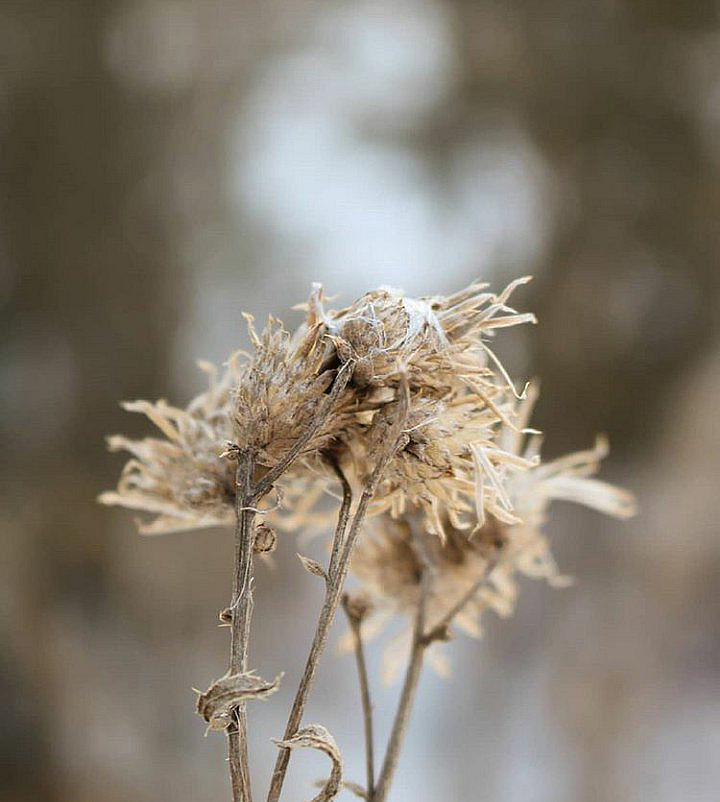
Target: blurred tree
<point>628,289</point>
<point>88,314</point>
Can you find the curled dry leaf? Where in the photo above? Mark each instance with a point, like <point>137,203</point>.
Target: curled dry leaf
<point>315,736</point>
<point>225,694</point>
<point>313,567</point>
<point>265,539</point>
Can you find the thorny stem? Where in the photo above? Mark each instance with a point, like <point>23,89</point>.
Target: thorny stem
<point>241,612</point>
<point>421,641</point>
<point>246,498</point>
<point>355,627</point>
<point>333,589</point>
<point>327,615</point>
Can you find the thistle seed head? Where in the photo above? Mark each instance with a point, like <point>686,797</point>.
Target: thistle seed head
<point>389,570</point>
<point>268,402</point>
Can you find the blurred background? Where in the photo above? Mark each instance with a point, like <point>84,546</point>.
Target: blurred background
<point>167,164</point>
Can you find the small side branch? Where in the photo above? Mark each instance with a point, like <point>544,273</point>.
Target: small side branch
<point>355,617</point>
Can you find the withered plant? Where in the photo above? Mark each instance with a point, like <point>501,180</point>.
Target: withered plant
<point>400,408</point>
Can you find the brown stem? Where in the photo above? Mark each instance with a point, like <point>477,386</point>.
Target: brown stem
<point>333,589</point>
<point>327,616</point>
<point>343,517</point>
<point>421,641</point>
<point>241,612</point>
<point>355,627</point>
<point>409,690</point>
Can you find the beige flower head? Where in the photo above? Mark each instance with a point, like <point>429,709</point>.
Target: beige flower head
<point>333,387</point>
<point>438,346</point>
<point>388,565</point>
<point>181,478</point>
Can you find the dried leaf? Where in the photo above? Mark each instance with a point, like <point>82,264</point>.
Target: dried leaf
<point>315,736</point>
<point>225,694</point>
<point>312,567</point>
<point>265,539</point>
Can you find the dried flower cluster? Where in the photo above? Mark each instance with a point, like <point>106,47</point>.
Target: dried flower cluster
<point>485,556</point>
<point>404,403</point>
<point>458,393</point>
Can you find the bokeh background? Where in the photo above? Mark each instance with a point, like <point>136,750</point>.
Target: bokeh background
<point>167,164</point>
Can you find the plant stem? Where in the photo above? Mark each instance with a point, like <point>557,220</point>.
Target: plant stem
<point>241,607</point>
<point>333,589</point>
<point>246,498</point>
<point>327,615</point>
<point>343,517</point>
<point>355,626</point>
<point>407,695</point>
<point>421,641</point>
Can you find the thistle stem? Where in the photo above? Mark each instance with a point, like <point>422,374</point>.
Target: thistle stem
<point>246,498</point>
<point>327,616</point>
<point>343,517</point>
<point>408,693</point>
<point>333,589</point>
<point>355,627</point>
<point>241,607</point>
<point>422,639</point>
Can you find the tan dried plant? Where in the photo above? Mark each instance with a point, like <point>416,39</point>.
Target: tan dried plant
<point>403,405</point>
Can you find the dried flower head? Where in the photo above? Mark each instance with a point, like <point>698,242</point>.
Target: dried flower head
<point>333,386</point>
<point>282,388</point>
<point>437,346</point>
<point>181,478</point>
<point>389,567</point>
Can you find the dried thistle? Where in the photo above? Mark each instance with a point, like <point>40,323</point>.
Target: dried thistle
<point>404,404</point>
<point>458,397</point>
<point>485,556</point>
<point>268,403</point>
